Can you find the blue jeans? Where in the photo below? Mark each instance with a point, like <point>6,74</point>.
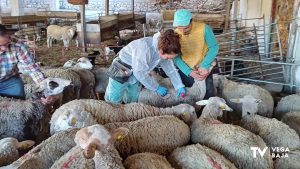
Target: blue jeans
<point>117,92</point>
<point>12,87</point>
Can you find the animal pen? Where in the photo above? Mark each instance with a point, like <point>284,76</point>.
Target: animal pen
<point>254,54</point>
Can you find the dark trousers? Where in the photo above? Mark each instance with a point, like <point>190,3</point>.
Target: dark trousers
<point>189,81</point>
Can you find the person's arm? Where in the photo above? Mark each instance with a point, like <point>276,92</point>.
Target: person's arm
<point>27,63</point>
<point>140,67</point>
<point>182,65</point>
<point>213,48</point>
<point>170,70</point>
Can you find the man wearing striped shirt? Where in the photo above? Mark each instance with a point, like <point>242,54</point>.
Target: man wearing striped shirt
<point>12,56</point>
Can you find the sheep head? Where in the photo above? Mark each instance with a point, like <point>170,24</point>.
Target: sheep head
<point>249,104</point>
<point>84,63</point>
<point>70,63</point>
<point>185,112</point>
<point>96,138</point>
<point>52,86</point>
<point>214,107</point>
<point>219,81</point>
<point>25,144</point>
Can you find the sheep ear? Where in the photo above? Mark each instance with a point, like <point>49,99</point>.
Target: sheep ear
<point>236,100</point>
<point>120,133</point>
<point>25,144</point>
<point>89,151</point>
<point>202,102</point>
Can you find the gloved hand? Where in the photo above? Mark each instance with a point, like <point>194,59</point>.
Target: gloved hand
<point>162,91</point>
<point>181,92</point>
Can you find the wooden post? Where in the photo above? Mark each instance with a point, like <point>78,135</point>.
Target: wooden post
<point>106,7</point>
<point>227,17</point>
<point>83,27</point>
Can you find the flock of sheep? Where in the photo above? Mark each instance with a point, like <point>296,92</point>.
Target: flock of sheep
<point>86,132</point>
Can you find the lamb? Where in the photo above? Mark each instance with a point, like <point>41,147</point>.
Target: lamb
<point>198,156</point>
<point>82,63</point>
<point>161,135</point>
<point>232,141</point>
<point>23,119</point>
<point>93,142</point>
<point>9,149</point>
<point>80,113</point>
<point>65,33</point>
<point>290,162</point>
<point>146,160</point>
<point>292,119</point>
<point>46,153</point>
<point>230,90</point>
<point>275,133</point>
<point>287,104</point>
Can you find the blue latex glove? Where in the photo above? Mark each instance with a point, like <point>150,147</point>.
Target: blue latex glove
<point>162,91</point>
<point>181,92</point>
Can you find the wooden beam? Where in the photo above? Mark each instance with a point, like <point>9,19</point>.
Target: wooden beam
<point>83,27</point>
<point>106,7</point>
<point>227,17</point>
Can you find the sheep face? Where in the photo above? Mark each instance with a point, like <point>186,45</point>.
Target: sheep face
<point>249,104</point>
<point>69,63</point>
<point>84,63</point>
<point>214,107</point>
<point>185,112</point>
<point>97,137</point>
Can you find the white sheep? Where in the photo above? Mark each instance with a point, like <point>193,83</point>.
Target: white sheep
<point>9,149</point>
<point>160,134</point>
<point>292,119</point>
<point>46,153</point>
<point>287,104</point>
<point>84,112</point>
<point>24,119</point>
<point>146,160</point>
<point>234,142</point>
<point>65,33</point>
<point>93,142</point>
<point>198,156</point>
<point>275,133</point>
<point>229,90</point>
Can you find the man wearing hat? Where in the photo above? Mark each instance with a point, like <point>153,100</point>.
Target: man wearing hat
<point>199,49</point>
<point>11,55</point>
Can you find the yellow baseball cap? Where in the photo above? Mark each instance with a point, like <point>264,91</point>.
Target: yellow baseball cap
<point>182,17</point>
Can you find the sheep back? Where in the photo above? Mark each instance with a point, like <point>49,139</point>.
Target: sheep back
<point>46,153</point>
<point>290,162</point>
<point>198,156</point>
<point>233,90</point>
<point>287,104</point>
<point>23,120</point>
<point>275,133</point>
<point>161,135</point>
<point>87,79</point>
<point>292,119</point>
<point>146,160</point>
<point>232,141</point>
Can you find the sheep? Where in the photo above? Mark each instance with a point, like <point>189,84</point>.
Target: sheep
<point>101,81</point>
<point>230,90</point>
<point>232,141</point>
<point>46,153</point>
<point>292,119</point>
<point>275,133</point>
<point>287,104</point>
<point>23,119</point>
<point>290,162</point>
<point>198,156</point>
<point>9,149</point>
<point>93,142</point>
<point>161,135</point>
<point>80,113</point>
<point>35,31</point>
<point>65,33</point>
<point>146,160</point>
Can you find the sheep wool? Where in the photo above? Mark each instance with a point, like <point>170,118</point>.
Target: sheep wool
<point>23,119</point>
<point>232,141</point>
<point>287,104</point>
<point>290,162</point>
<point>275,133</point>
<point>292,119</point>
<point>46,153</point>
<point>87,79</point>
<point>104,112</point>
<point>160,134</point>
<point>198,156</point>
<point>65,33</point>
<point>146,160</point>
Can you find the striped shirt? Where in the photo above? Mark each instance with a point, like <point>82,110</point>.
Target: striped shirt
<point>18,55</point>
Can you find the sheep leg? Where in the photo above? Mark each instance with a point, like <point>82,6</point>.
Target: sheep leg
<point>66,44</point>
<point>49,41</point>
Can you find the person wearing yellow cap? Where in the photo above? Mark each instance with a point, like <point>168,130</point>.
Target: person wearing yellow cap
<point>199,49</point>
